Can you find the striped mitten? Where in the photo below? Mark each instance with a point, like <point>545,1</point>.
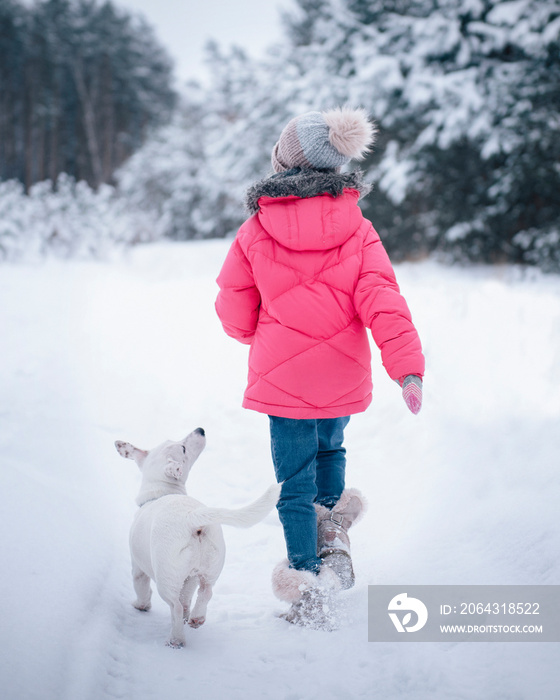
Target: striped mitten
<point>412,392</point>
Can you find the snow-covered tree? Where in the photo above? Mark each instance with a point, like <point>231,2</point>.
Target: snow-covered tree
<point>70,220</point>
<point>194,172</point>
<point>466,93</point>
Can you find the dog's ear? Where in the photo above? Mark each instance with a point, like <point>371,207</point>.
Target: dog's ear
<point>125,449</point>
<point>173,471</point>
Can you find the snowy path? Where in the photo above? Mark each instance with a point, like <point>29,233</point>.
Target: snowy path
<point>467,492</point>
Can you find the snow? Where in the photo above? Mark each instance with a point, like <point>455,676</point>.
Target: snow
<point>507,13</point>
<point>466,492</point>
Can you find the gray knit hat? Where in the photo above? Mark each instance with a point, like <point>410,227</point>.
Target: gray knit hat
<point>324,140</point>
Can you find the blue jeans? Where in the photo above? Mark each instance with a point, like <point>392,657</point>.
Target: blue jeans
<point>310,462</point>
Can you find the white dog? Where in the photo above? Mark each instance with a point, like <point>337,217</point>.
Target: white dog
<point>175,540</point>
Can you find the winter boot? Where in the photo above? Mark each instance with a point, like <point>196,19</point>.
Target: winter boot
<point>333,543</point>
<point>311,596</point>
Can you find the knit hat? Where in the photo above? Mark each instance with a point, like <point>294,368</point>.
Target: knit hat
<point>324,140</point>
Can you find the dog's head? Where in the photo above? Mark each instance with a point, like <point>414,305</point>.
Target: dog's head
<point>166,467</point>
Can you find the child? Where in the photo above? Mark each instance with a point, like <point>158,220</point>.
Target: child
<point>304,278</point>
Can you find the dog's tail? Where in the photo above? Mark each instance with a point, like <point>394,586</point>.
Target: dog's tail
<point>241,517</point>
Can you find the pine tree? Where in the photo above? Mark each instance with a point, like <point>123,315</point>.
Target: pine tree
<point>81,85</point>
<point>467,96</point>
<point>12,70</point>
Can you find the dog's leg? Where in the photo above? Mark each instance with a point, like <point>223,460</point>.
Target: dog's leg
<point>177,638</point>
<point>187,594</point>
<point>198,616</point>
<point>171,594</point>
<point>143,589</point>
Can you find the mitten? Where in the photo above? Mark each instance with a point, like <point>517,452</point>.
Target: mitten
<point>412,392</point>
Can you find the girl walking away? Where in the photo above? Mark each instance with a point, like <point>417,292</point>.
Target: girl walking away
<point>304,278</point>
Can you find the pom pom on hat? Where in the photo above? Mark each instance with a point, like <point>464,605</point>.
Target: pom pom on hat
<point>350,132</point>
<point>324,140</point>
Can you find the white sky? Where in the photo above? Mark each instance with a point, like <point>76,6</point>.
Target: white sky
<point>184,27</point>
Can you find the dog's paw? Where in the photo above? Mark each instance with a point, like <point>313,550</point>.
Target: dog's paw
<point>142,607</point>
<point>196,622</point>
<point>175,643</point>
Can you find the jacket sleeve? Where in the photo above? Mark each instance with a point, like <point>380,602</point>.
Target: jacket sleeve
<point>239,300</point>
<point>384,310</point>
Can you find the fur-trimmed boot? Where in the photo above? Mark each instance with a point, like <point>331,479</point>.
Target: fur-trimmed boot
<point>311,596</point>
<point>333,543</point>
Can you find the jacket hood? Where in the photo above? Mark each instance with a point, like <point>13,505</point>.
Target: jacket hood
<point>308,209</point>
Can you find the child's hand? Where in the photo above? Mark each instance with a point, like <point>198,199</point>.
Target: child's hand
<point>412,392</point>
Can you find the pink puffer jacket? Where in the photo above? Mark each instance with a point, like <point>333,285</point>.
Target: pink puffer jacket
<point>301,282</point>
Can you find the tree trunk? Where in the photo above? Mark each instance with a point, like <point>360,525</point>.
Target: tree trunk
<point>88,114</point>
